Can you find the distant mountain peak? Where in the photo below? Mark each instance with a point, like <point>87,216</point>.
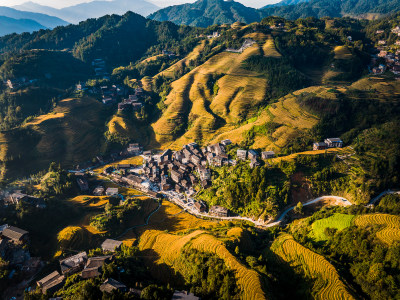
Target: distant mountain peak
<point>94,9</point>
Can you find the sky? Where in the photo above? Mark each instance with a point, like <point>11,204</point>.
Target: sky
<point>161,3</point>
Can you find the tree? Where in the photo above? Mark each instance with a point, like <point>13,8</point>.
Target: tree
<point>299,208</point>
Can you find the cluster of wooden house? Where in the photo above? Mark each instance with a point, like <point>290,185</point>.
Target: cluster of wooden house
<point>215,34</point>
<point>390,54</point>
<point>17,198</point>
<point>182,166</point>
<point>328,143</point>
<point>88,267</point>
<point>132,102</point>
<point>111,93</point>
<point>254,156</point>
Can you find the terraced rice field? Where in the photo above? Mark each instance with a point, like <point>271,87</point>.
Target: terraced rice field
<point>342,52</point>
<point>90,201</point>
<point>193,103</point>
<point>390,231</point>
<point>170,217</point>
<point>270,49</point>
<point>237,233</point>
<point>286,112</point>
<point>156,241</point>
<point>337,221</point>
<point>314,264</point>
<point>73,237</point>
<point>168,73</point>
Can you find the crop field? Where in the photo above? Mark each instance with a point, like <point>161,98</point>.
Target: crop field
<point>270,49</point>
<point>155,242</point>
<point>237,233</point>
<point>313,264</point>
<point>90,201</point>
<point>118,125</point>
<point>168,73</point>
<point>192,99</point>
<point>136,160</point>
<point>382,88</point>
<point>286,112</point>
<point>390,231</point>
<point>337,221</point>
<point>172,218</point>
<point>73,237</point>
<point>342,52</point>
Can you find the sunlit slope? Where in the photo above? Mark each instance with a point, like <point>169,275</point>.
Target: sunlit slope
<point>72,133</point>
<point>170,72</point>
<point>217,93</point>
<point>166,249</point>
<point>312,264</point>
<point>390,231</point>
<point>290,119</point>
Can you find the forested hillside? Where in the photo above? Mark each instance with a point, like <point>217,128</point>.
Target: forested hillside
<point>334,8</point>
<point>204,13</point>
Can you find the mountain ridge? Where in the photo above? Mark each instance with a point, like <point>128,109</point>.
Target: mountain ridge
<point>43,19</point>
<point>93,9</point>
<point>203,13</point>
<point>10,25</point>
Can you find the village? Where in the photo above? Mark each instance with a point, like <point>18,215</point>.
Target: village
<point>178,176</point>
<point>172,175</point>
<point>14,244</point>
<point>387,57</point>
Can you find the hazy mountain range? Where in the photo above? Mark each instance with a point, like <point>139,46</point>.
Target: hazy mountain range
<point>31,16</point>
<point>94,9</point>
<point>10,25</point>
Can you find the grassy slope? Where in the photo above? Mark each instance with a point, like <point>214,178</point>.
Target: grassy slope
<point>312,264</point>
<point>72,133</point>
<point>337,221</point>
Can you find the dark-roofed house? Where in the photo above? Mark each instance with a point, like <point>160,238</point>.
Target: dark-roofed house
<point>200,206</point>
<point>110,285</point>
<point>51,282</point>
<point>319,146</point>
<point>226,142</point>
<point>112,191</point>
<point>111,245</point>
<point>93,266</point>
<point>184,295</point>
<point>253,154</point>
<point>98,191</point>
<point>267,154</point>
<point>73,263</point>
<point>166,155</point>
<point>83,184</point>
<point>15,234</point>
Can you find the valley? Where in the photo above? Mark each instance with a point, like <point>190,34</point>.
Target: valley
<point>145,160</point>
